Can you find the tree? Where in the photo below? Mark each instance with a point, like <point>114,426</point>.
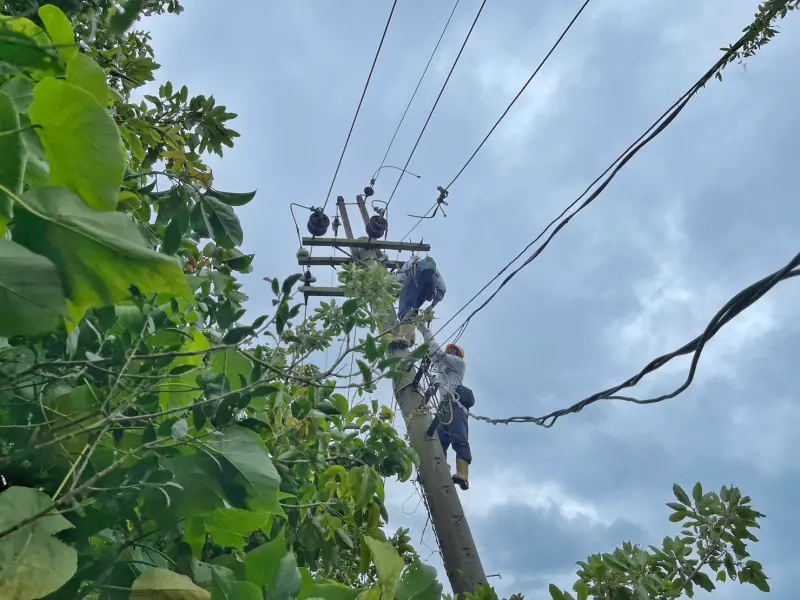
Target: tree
<point>155,437</point>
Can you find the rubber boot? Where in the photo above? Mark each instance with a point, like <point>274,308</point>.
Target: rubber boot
<point>404,336</point>
<point>461,476</point>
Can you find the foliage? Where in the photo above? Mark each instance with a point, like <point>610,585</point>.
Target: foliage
<point>713,543</point>
<point>166,442</point>
<point>157,441</point>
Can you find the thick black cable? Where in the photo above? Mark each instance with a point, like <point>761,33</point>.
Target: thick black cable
<point>735,306</point>
<point>653,131</point>
<point>436,102</point>
<point>361,100</point>
<point>416,89</point>
<point>524,87</point>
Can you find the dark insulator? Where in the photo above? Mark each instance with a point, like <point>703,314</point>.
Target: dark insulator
<point>318,223</point>
<point>336,224</point>
<point>368,191</point>
<point>376,228</point>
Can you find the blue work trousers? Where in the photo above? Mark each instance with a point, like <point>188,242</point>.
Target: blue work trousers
<point>453,428</point>
<point>418,287</point>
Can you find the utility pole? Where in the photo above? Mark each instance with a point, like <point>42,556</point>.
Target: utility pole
<point>460,555</point>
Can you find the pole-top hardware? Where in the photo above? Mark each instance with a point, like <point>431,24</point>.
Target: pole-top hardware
<point>318,222</point>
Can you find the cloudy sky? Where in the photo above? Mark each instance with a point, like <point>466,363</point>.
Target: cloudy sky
<point>706,209</point>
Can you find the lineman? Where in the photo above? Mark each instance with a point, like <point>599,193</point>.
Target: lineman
<point>422,282</point>
<point>451,419</point>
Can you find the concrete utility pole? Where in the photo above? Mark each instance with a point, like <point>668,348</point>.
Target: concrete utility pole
<point>461,560</point>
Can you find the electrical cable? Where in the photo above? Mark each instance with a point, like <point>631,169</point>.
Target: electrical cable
<point>436,102</point>
<point>521,91</point>
<point>502,116</point>
<point>652,132</point>
<point>735,306</point>
<point>416,89</point>
<point>361,100</point>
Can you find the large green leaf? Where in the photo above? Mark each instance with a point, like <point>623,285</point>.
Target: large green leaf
<point>200,494</point>
<point>419,582</point>
<point>87,74</point>
<point>325,588</point>
<point>388,563</point>
<point>31,295</point>
<point>160,584</point>
<point>224,589</point>
<point>247,453</point>
<point>274,569</point>
<point>235,365</point>
<point>232,198</point>
<point>37,171</point>
<point>12,164</point>
<point>183,391</point>
<point>20,90</point>
<point>60,30</point>
<point>229,526</point>
<point>20,44</point>
<point>214,219</point>
<point>99,255</point>
<point>81,140</point>
<point>261,564</point>
<point>33,563</point>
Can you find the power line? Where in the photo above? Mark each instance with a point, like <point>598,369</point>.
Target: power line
<point>735,306</point>
<point>416,89</point>
<point>524,87</point>
<point>361,100</point>
<point>436,102</point>
<point>653,131</point>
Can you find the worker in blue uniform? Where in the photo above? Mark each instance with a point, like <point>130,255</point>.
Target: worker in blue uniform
<point>422,282</point>
<point>455,399</point>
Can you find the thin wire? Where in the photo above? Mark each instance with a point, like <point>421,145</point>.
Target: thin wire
<point>524,87</point>
<point>653,131</point>
<point>436,103</point>
<point>734,307</point>
<point>416,89</point>
<point>361,100</point>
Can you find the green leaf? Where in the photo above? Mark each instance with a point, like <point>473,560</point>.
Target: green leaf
<point>81,140</point>
<point>365,372</point>
<point>235,365</point>
<point>20,90</point>
<point>581,589</point>
<point>32,549</point>
<point>20,50</point>
<point>697,492</point>
<point>350,307</point>
<point>99,255</point>
<point>229,526</point>
<point>237,334</point>
<point>30,292</point>
<point>232,199</point>
<point>155,584</point>
<point>247,453</point>
<point>223,589</point>
<point>37,170</point>
<point>225,228</point>
<point>419,582</point>
<point>60,30</point>
<point>12,166</point>
<point>286,288</point>
<point>388,564</point>
<point>555,593</point>
<point>261,564</point>
<point>122,21</point>
<point>345,537</point>
<point>704,581</point>
<point>85,73</point>
<point>681,495</point>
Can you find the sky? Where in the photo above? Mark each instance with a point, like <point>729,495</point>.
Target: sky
<point>700,213</point>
